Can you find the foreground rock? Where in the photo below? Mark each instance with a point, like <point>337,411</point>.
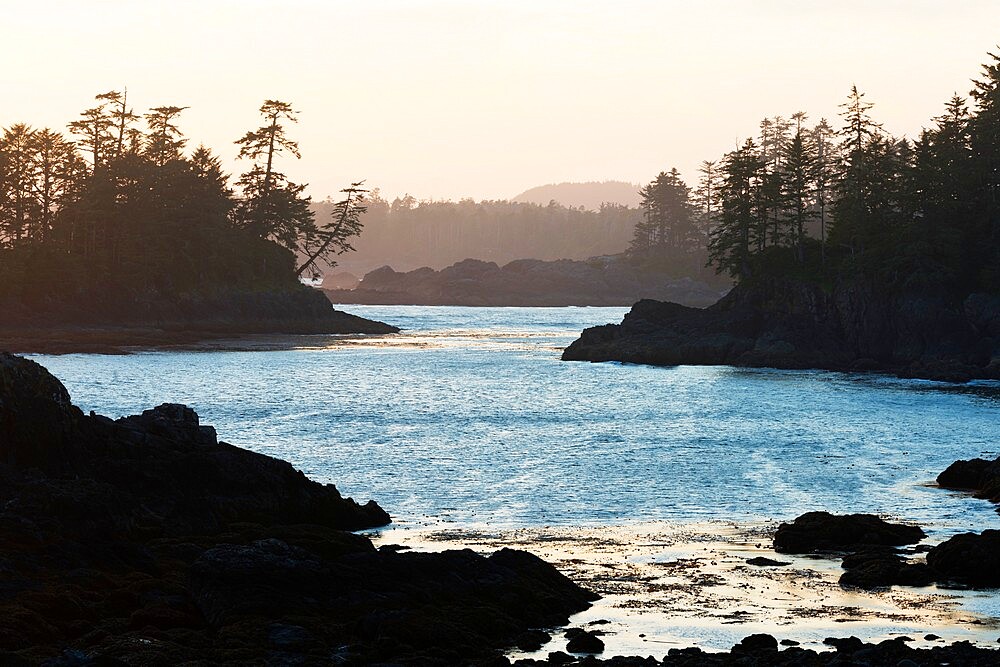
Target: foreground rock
<point>787,324</point>
<point>603,281</point>
<point>762,649</point>
<point>146,541</point>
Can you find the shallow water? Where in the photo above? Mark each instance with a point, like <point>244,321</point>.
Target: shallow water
<point>468,417</point>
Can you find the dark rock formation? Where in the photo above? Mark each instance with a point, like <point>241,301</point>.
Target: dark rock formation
<point>152,321</point>
<point>821,531</point>
<point>763,650</point>
<point>760,561</point>
<point>583,641</point>
<point>759,643</point>
<point>977,475</point>
<point>968,559</point>
<point>787,324</point>
<point>146,541</point>
<point>881,568</point>
<point>606,281</point>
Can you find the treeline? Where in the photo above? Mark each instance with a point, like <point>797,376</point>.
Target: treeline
<point>407,234</point>
<point>120,205</point>
<point>823,202</point>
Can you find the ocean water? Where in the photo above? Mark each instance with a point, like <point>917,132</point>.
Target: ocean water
<point>468,417</point>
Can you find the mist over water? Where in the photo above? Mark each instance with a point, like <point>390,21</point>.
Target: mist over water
<point>469,417</point>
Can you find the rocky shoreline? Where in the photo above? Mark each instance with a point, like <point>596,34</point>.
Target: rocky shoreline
<point>796,325</point>
<point>603,281</point>
<point>145,540</point>
<point>223,316</point>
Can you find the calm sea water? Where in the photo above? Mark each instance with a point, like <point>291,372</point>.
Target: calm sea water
<point>469,417</point>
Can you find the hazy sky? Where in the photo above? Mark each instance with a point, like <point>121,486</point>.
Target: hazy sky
<point>448,99</point>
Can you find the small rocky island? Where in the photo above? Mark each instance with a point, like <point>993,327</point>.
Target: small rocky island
<point>782,323</point>
<point>600,281</point>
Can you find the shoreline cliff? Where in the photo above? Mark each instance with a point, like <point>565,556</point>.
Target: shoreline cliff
<point>852,326</point>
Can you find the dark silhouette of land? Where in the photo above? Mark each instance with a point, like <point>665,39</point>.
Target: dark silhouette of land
<point>600,281</point>
<point>122,236</point>
<point>904,275</point>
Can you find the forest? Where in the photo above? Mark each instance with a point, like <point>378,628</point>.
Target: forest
<point>119,206</point>
<point>118,212</point>
<point>824,203</point>
<point>407,233</point>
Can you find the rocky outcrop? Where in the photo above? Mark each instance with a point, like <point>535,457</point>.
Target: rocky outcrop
<point>606,281</point>
<point>154,320</point>
<point>977,475</point>
<point>969,559</point>
<point>821,531</point>
<point>872,560</point>
<point>145,540</point>
<point>788,324</point>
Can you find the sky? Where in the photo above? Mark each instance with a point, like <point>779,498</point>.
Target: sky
<point>448,99</point>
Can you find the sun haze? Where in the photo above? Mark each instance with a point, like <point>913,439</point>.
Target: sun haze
<point>448,99</point>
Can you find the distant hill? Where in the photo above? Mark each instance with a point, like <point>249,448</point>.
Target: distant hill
<point>588,195</point>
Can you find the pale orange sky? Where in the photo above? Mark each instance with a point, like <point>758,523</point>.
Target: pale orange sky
<point>448,99</point>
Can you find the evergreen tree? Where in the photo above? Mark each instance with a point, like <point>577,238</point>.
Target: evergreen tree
<point>273,207</point>
<point>823,176</point>
<point>95,131</point>
<point>797,172</point>
<point>668,217</point>
<point>334,237</point>
<point>706,199</point>
<point>738,221</point>
<point>164,140</point>
<point>18,206</point>
<point>862,143</point>
<point>984,132</point>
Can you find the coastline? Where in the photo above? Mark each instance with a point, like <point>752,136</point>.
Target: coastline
<point>127,338</point>
<point>680,585</point>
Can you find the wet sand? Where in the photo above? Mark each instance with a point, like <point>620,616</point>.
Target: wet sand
<point>669,586</point>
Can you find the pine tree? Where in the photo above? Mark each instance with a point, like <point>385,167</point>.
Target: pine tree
<point>823,176</point>
<point>272,207</point>
<point>668,218</point>
<point>164,140</point>
<point>738,220</point>
<point>706,199</point>
<point>861,144</point>
<point>984,131</point>
<point>797,172</point>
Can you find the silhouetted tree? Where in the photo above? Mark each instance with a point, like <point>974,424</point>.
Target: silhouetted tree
<point>738,221</point>
<point>164,140</point>
<point>271,206</point>
<point>334,237</point>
